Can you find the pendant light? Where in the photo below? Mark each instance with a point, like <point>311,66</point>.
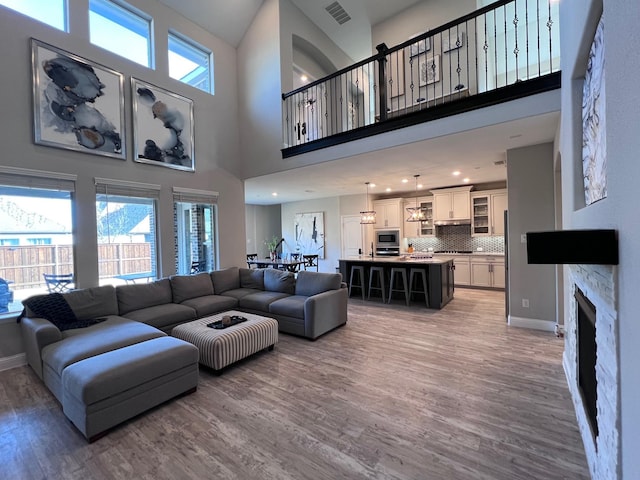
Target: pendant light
<point>415,213</point>
<point>367,217</point>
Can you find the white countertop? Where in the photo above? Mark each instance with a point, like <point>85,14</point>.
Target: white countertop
<point>442,258</point>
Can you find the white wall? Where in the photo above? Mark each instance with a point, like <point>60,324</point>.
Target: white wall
<point>216,135</point>
<point>619,210</point>
<point>418,19</point>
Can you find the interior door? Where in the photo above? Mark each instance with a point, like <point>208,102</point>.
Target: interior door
<point>352,240</point>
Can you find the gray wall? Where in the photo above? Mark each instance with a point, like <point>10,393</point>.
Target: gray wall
<point>263,222</point>
<point>216,135</point>
<point>620,209</point>
<point>530,179</point>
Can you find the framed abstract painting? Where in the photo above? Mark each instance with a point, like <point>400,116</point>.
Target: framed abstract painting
<point>162,127</point>
<point>77,104</point>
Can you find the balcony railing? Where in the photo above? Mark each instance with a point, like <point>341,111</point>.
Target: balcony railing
<point>503,51</point>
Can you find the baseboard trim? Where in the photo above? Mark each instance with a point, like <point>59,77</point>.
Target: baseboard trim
<point>14,361</point>
<point>533,323</point>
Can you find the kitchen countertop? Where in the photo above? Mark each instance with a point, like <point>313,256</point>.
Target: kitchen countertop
<point>473,254</point>
<point>442,258</point>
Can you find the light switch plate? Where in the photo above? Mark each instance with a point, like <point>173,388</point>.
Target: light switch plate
<point>523,238</point>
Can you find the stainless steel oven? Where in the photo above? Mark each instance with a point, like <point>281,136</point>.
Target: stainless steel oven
<point>387,242</point>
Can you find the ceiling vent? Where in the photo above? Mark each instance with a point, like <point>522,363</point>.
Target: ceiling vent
<point>338,13</point>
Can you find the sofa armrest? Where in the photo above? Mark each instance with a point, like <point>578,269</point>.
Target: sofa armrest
<point>37,333</point>
<point>325,311</point>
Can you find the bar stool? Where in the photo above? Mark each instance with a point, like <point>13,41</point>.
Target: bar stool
<point>379,274</point>
<point>395,271</point>
<point>360,284</point>
<point>418,277</point>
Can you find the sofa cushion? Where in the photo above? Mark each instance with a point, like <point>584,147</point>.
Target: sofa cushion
<point>225,279</point>
<point>163,316</point>
<point>292,306</point>
<point>185,287</point>
<point>54,307</point>
<point>312,283</point>
<point>260,300</point>
<point>93,302</point>
<point>279,281</point>
<point>109,335</point>
<point>252,278</point>
<point>241,292</point>
<point>210,304</point>
<point>143,295</point>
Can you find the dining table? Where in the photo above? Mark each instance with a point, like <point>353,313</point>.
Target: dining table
<point>280,264</point>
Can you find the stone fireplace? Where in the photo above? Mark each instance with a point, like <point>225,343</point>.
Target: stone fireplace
<point>594,390</point>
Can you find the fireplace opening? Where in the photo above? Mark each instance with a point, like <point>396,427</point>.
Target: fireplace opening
<point>587,355</point>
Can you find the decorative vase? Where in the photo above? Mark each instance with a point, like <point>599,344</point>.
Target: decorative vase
<point>273,256</point>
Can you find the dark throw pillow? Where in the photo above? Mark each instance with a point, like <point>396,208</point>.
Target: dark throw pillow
<point>54,307</point>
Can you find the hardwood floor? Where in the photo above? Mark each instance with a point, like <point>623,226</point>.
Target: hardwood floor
<point>398,393</point>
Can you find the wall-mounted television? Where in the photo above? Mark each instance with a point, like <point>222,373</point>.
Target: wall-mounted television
<point>595,247</point>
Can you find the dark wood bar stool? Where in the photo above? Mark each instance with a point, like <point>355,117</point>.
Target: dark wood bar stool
<point>359,269</point>
<point>419,283</point>
<point>377,272</point>
<point>402,273</point>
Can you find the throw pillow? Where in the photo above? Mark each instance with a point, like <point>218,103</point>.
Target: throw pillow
<point>54,307</point>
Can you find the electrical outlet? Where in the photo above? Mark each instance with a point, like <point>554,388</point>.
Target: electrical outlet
<point>523,238</point>
<point>525,303</point>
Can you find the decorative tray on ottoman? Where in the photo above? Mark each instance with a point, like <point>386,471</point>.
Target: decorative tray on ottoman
<point>235,319</point>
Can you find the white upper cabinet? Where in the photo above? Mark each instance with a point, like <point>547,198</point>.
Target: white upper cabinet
<point>451,204</point>
<point>388,213</point>
<point>487,212</point>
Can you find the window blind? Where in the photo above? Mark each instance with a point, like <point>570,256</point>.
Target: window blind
<point>191,195</point>
<point>40,179</point>
<point>125,188</point>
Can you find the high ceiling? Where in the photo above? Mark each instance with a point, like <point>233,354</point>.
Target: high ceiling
<point>477,154</point>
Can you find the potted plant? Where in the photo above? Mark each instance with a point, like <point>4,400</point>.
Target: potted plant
<point>272,245</point>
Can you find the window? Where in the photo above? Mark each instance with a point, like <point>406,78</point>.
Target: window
<point>33,207</point>
<point>195,220</point>
<point>121,29</point>
<point>51,12</point>
<point>190,63</point>
<point>39,241</point>
<point>126,223</point>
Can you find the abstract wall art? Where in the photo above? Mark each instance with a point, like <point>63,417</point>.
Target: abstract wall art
<point>77,104</point>
<point>594,145</point>
<point>309,233</point>
<point>162,127</point>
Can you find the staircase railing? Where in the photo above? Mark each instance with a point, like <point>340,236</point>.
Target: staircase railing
<point>500,45</point>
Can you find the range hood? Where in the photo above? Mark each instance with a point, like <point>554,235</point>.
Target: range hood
<point>459,221</point>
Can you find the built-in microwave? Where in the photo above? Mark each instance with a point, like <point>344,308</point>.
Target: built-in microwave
<point>387,242</point>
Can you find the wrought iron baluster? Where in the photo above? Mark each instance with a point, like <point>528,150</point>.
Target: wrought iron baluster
<point>549,25</point>
<point>526,19</point>
<point>538,30</point>
<point>515,25</point>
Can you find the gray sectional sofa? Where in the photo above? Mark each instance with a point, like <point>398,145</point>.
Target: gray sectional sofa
<point>123,362</point>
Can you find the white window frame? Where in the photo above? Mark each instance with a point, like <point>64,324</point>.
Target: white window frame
<point>188,45</point>
<point>22,7</point>
<point>112,9</point>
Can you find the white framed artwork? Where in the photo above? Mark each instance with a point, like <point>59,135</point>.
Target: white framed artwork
<point>309,233</point>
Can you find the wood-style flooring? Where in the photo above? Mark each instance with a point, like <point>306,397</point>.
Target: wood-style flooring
<point>398,393</point>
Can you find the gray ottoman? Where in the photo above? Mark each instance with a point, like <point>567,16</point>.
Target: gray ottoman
<point>103,391</point>
<point>219,348</point>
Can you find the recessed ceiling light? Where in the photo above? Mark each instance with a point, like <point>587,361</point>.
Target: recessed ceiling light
<point>388,189</point>
<point>404,180</point>
<point>372,185</point>
<point>304,78</point>
<point>419,185</point>
<point>456,173</point>
<point>275,194</point>
<point>466,180</point>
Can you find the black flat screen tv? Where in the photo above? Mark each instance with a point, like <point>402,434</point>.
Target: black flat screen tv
<point>595,247</point>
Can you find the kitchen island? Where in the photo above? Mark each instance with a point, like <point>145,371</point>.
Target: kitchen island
<point>439,272</point>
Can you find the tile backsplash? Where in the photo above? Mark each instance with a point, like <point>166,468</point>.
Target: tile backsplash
<point>457,237</point>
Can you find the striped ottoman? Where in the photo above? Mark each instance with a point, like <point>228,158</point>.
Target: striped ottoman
<point>219,348</point>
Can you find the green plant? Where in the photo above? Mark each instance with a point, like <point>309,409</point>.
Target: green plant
<point>272,244</point>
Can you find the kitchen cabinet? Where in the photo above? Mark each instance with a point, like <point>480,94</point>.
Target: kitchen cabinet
<point>462,268</point>
<point>451,204</point>
<point>419,229</point>
<point>487,271</point>
<point>487,213</point>
<point>388,213</point>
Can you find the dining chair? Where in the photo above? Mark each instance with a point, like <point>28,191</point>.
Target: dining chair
<point>252,257</point>
<point>58,283</point>
<point>310,262</point>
